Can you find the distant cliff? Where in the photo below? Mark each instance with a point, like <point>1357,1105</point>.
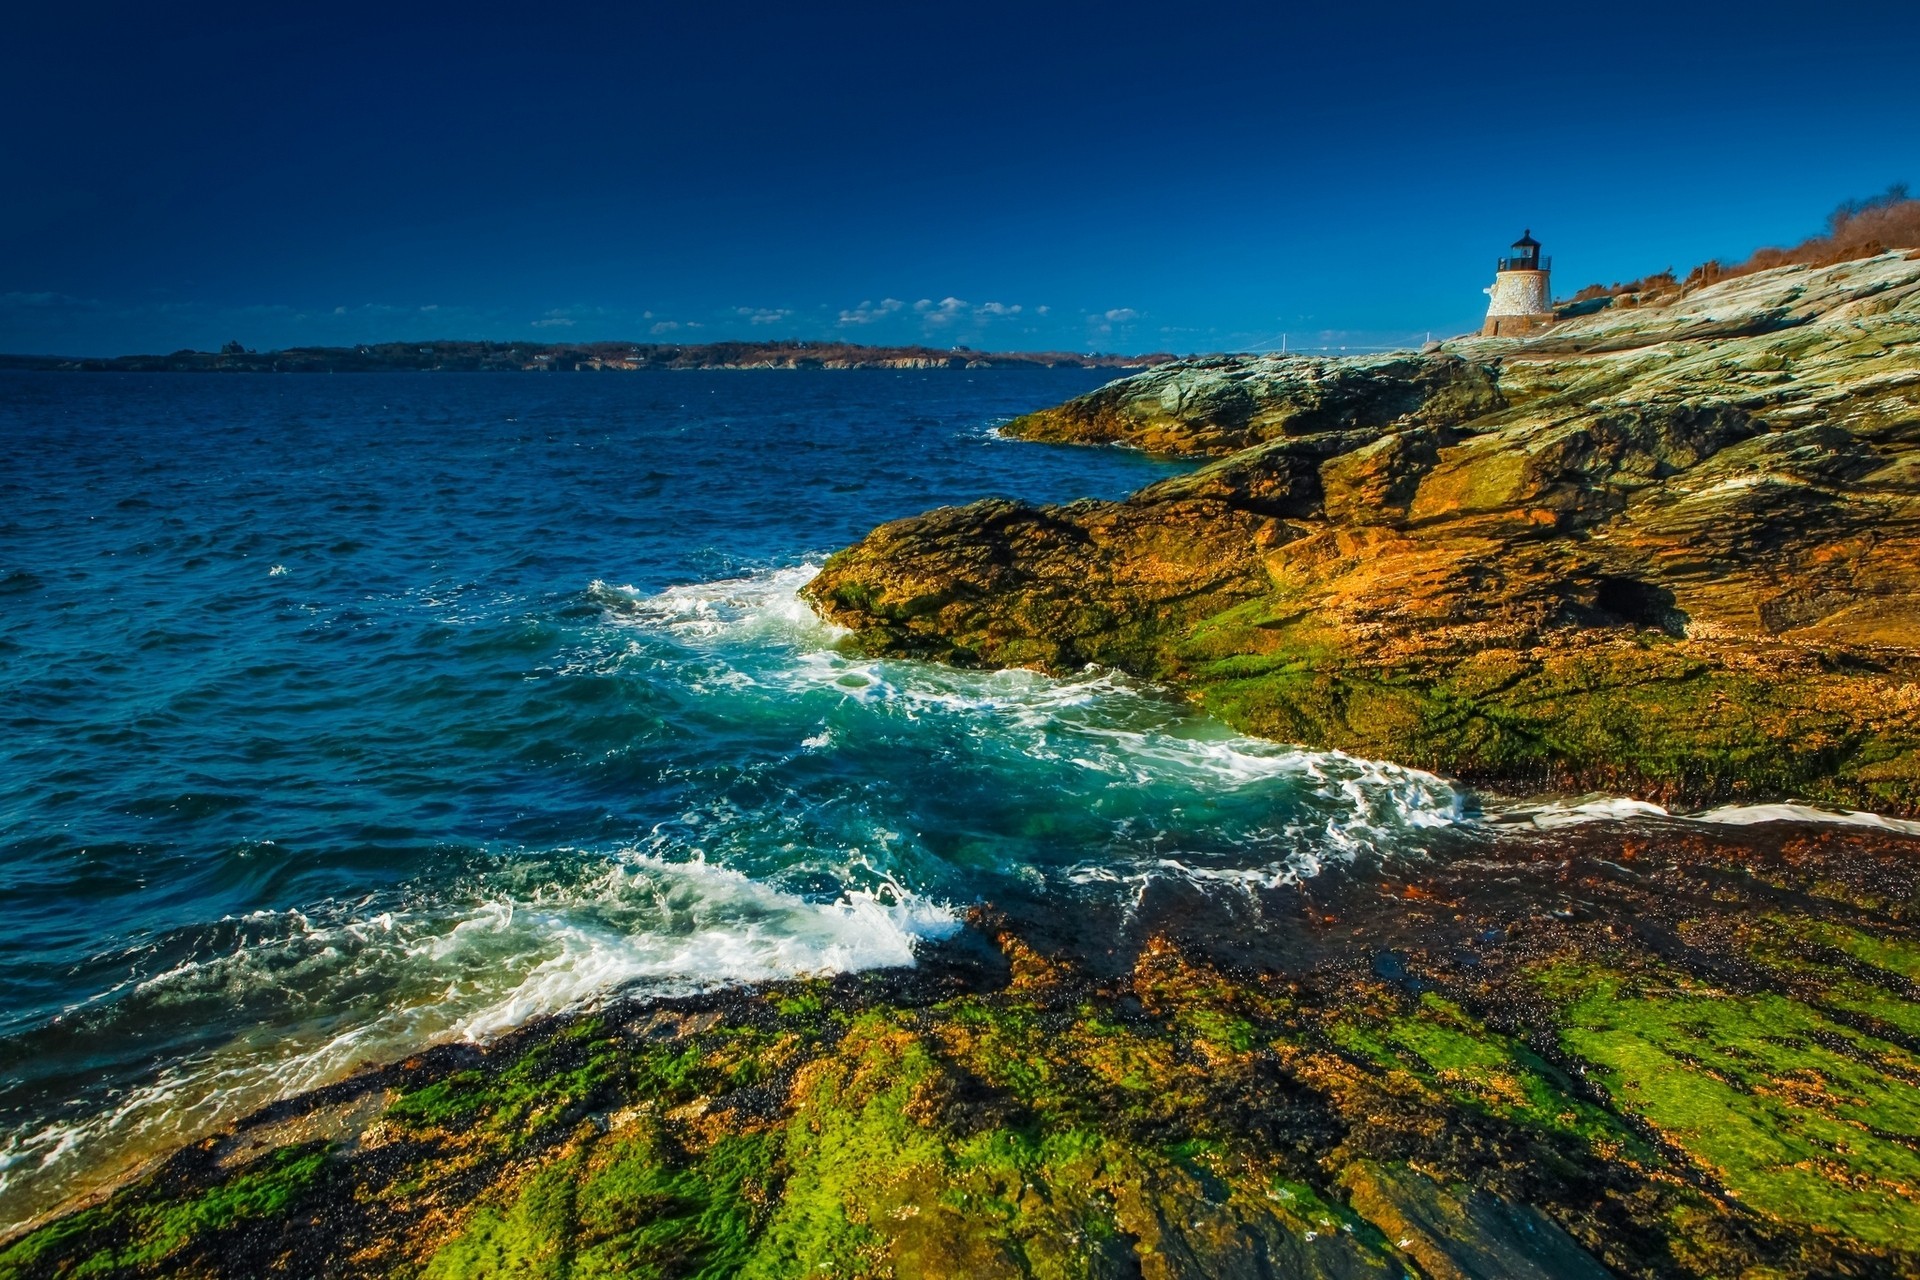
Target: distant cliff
<point>591,357</point>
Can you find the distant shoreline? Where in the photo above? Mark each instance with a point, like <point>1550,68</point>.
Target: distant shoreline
<point>596,357</point>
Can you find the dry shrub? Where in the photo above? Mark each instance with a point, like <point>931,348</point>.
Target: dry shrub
<point>1657,283</point>
<point>1857,229</point>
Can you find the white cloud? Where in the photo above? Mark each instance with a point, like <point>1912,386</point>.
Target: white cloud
<point>868,312</point>
<point>1041,310</point>
<point>554,322</point>
<point>945,311</point>
<point>1101,324</point>
<point>938,315</point>
<point>951,311</point>
<point>764,315</point>
<point>664,326</point>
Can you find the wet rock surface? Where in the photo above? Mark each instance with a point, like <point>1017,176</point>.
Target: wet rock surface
<point>1672,549</point>
<point>1652,1049</point>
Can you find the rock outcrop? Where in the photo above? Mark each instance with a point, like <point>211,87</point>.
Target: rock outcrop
<point>1668,549</point>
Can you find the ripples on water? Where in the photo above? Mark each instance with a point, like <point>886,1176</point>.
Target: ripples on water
<point>325,730</point>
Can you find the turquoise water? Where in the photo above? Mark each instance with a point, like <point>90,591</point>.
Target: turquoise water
<point>339,715</point>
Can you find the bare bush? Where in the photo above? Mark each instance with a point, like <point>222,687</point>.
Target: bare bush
<point>1657,283</point>
<point>1855,229</point>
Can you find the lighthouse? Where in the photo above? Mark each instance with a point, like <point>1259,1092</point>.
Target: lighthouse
<point>1519,300</point>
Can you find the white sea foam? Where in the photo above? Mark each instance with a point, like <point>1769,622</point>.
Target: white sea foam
<point>1108,724</point>
<point>1747,814</point>
<point>766,603</point>
<point>1100,718</point>
<point>472,972</point>
<point>725,929</point>
<point>1620,809</point>
<point>1294,811</point>
<point>1135,878</point>
<point>1094,721</point>
<point>1559,813</point>
<point>1101,721</point>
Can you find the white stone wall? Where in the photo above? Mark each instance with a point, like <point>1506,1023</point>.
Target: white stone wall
<point>1519,293</point>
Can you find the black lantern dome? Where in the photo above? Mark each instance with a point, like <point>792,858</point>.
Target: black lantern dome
<point>1525,255</point>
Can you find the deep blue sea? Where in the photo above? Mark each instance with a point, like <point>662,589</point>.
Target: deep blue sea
<point>343,714</point>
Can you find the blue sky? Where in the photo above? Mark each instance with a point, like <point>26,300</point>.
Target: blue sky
<point>1113,177</point>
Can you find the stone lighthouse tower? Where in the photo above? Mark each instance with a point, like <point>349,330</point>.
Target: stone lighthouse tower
<point>1520,300</point>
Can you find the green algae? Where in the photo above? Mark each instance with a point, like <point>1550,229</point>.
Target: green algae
<point>1798,1116</point>
<point>1843,972</point>
<point>545,1086</point>
<point>553,1082</point>
<point>1897,956</point>
<point>138,1231</point>
<point>852,1152</point>
<point>1647,717</point>
<point>800,1005</point>
<point>623,1205</point>
<point>459,1098</point>
<point>1179,1121</point>
<point>1484,1071</point>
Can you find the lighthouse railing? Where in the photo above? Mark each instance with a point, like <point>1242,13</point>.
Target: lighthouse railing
<point>1523,264</point>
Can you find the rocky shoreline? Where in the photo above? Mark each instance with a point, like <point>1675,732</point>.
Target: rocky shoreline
<point>1650,1050</point>
<point>1670,550</point>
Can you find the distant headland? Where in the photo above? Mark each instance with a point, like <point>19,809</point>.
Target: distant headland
<point>591,357</point>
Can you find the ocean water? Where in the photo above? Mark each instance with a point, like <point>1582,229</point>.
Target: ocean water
<point>340,715</point>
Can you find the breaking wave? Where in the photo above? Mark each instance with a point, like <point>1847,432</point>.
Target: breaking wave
<point>345,987</point>
<point>1157,790</point>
